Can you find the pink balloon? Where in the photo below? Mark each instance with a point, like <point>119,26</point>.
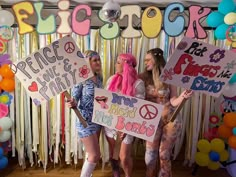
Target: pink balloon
<point>3,110</point>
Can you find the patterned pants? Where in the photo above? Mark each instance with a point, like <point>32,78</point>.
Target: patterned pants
<point>162,146</point>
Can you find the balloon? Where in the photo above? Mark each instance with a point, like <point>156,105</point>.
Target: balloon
<point>230,119</point>
<point>8,85</point>
<point>6,72</point>
<point>202,159</point>
<point>217,145</point>
<point>204,146</point>
<point>3,163</point>
<point>214,156</point>
<point>5,136</point>
<point>1,152</point>
<point>226,6</point>
<point>224,131</point>
<point>111,11</point>
<point>6,123</point>
<point>230,18</point>
<point>220,32</point>
<point>213,165</point>
<point>224,155</point>
<point>215,19</point>
<point>233,79</point>
<point>6,18</point>
<point>229,92</point>
<point>232,142</point>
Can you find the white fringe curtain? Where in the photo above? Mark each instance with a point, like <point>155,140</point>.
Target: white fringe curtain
<point>38,132</point>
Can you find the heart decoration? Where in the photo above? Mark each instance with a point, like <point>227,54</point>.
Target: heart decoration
<point>33,87</point>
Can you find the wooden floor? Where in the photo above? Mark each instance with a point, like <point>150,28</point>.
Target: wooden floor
<point>13,170</point>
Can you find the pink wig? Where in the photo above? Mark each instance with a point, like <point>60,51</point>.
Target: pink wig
<point>127,80</point>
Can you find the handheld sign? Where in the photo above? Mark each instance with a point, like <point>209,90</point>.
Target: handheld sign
<point>199,66</point>
<point>126,114</point>
<point>52,70</point>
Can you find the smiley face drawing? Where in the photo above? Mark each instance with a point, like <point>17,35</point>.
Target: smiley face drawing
<point>102,101</point>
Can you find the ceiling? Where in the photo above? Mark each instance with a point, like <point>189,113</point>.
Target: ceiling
<point>144,3</point>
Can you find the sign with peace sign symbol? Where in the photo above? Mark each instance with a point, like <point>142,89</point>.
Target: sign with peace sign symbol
<point>130,115</point>
<point>148,111</point>
<point>69,47</point>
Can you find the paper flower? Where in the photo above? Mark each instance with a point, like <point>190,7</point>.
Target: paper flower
<point>217,55</point>
<point>214,119</point>
<point>211,133</point>
<point>84,71</point>
<point>210,154</point>
<point>228,129</point>
<point>5,98</point>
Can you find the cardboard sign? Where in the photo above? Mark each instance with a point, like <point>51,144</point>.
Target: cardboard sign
<point>126,114</point>
<point>52,70</point>
<point>199,66</point>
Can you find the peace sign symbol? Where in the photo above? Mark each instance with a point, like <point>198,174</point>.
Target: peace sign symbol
<point>69,47</point>
<point>148,111</point>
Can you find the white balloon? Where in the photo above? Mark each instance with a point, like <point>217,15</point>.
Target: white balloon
<point>229,90</point>
<point>6,18</point>
<point>4,136</point>
<point>5,123</point>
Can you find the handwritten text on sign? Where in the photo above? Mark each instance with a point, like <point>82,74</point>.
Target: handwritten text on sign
<point>130,115</point>
<point>52,70</point>
<point>199,66</point>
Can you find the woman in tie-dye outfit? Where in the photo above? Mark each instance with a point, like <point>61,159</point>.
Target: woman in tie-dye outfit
<point>167,132</point>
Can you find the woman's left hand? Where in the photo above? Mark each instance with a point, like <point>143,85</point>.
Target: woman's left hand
<point>122,135</point>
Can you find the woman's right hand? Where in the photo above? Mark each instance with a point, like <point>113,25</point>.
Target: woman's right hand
<point>71,103</point>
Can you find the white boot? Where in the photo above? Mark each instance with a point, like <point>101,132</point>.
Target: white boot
<point>87,169</point>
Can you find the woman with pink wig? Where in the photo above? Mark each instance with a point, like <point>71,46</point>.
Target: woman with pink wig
<point>126,82</point>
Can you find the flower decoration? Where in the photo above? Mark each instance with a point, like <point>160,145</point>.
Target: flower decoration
<point>211,133</point>
<point>185,79</point>
<point>5,98</point>
<point>210,154</point>
<point>84,71</point>
<point>228,129</point>
<point>219,19</point>
<point>214,119</point>
<point>217,55</point>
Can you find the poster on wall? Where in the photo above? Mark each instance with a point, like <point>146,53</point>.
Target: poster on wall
<point>126,114</point>
<point>52,70</point>
<point>200,66</point>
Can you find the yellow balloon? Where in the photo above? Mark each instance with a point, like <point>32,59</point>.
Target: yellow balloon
<point>217,145</point>
<point>230,18</point>
<point>224,155</point>
<point>202,159</point>
<point>204,146</point>
<point>213,165</point>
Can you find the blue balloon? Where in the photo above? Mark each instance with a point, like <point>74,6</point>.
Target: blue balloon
<point>233,79</point>
<point>215,19</point>
<point>220,32</point>
<point>234,131</point>
<point>226,6</point>
<point>1,152</point>
<point>214,156</point>
<point>3,163</point>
